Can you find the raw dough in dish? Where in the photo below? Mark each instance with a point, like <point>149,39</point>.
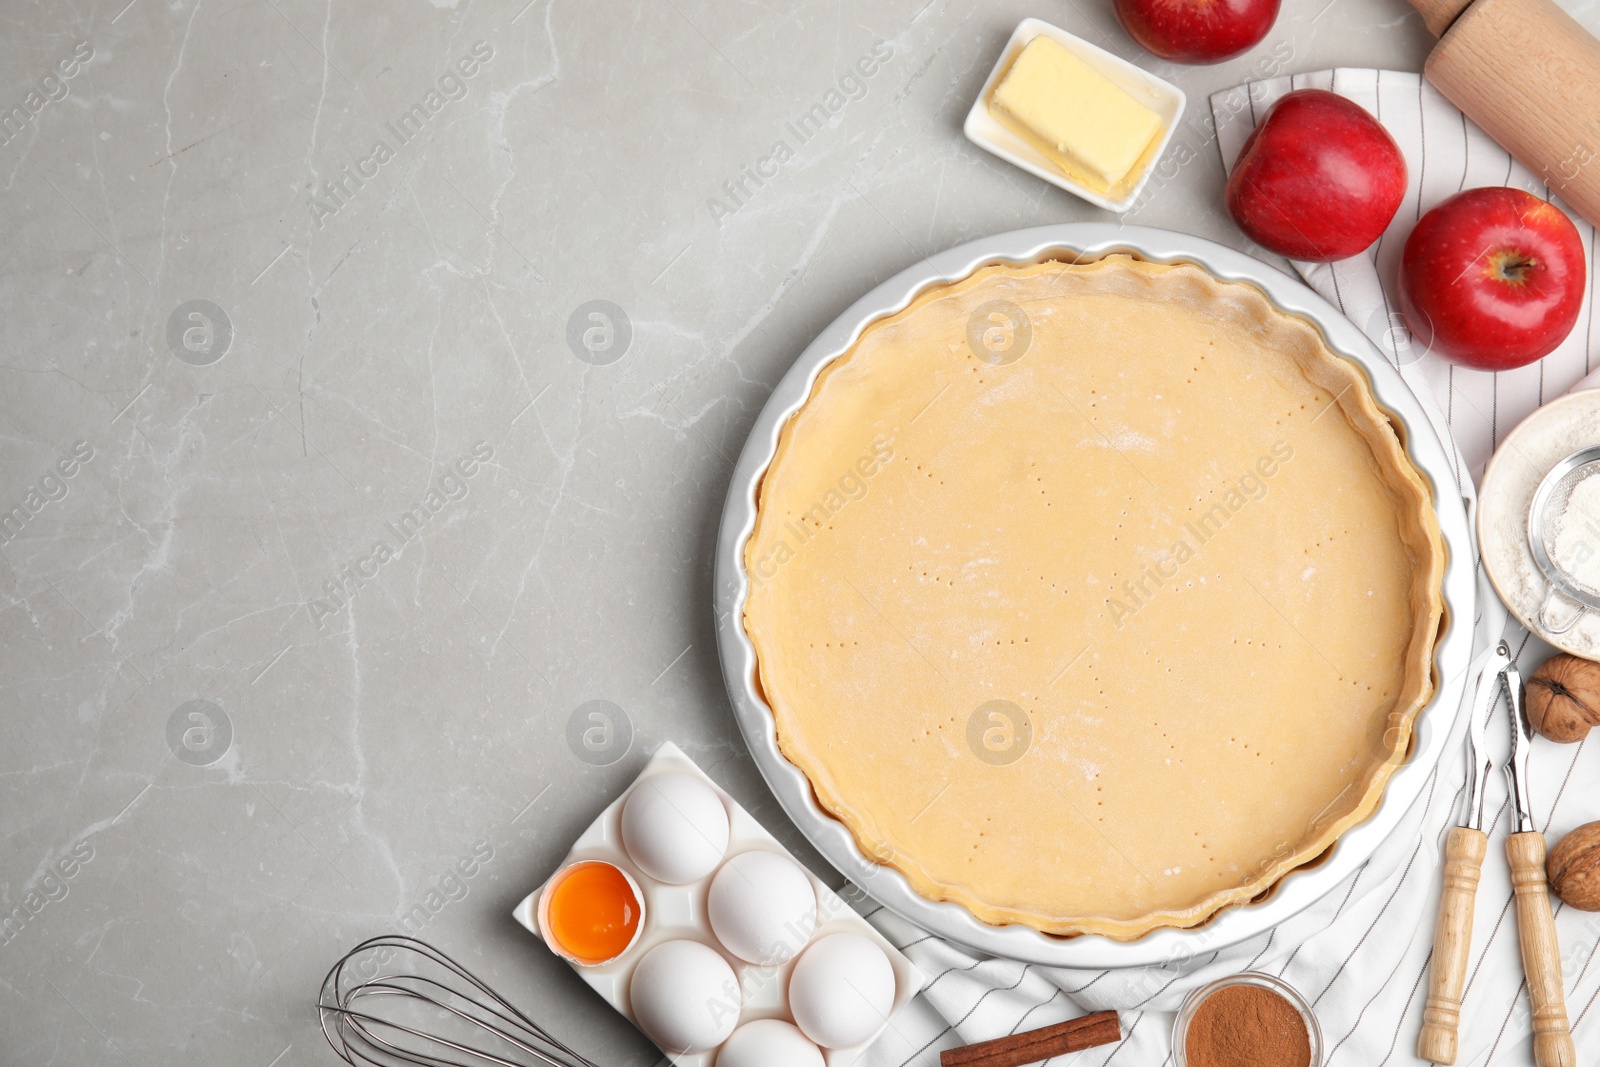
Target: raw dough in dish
<point>1101,617</point>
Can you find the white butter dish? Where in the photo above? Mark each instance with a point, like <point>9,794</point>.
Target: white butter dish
<point>989,133</point>
<point>674,912</point>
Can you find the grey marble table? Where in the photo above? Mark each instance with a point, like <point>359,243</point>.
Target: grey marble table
<point>371,378</point>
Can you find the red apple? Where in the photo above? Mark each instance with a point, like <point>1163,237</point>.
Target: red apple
<point>1492,278</point>
<point>1197,31</point>
<point>1318,179</point>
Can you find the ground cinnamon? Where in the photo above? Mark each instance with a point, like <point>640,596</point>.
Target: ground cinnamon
<point>1247,1026</point>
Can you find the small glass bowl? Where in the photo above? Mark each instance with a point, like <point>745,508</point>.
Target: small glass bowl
<point>1191,1004</point>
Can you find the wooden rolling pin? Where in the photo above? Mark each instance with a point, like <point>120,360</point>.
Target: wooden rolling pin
<point>1527,73</point>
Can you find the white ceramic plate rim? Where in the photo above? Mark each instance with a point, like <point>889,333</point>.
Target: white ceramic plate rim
<point>1497,485</point>
<point>1298,890</point>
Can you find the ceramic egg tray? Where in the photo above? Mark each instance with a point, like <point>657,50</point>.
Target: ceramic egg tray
<point>673,912</point>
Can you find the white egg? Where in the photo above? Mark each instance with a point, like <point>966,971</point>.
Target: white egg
<point>762,907</point>
<point>675,828</point>
<point>769,1043</point>
<point>841,990</point>
<point>685,996</point>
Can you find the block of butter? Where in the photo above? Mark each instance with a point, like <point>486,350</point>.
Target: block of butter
<point>1087,124</point>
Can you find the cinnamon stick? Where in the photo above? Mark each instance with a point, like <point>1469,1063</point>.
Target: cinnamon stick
<point>1074,1035</point>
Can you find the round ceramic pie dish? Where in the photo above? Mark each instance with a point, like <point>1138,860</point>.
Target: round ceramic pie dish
<point>1084,244</point>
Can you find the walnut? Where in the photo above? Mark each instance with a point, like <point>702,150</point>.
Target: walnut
<point>1574,868</point>
<point>1564,698</point>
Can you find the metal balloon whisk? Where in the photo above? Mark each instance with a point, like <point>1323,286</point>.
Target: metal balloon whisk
<point>396,1000</point>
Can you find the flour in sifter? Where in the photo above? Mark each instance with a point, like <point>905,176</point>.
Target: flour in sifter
<point>1576,547</point>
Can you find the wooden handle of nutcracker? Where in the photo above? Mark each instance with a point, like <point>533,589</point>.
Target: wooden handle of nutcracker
<point>1529,74</point>
<point>1541,952</point>
<point>1464,850</point>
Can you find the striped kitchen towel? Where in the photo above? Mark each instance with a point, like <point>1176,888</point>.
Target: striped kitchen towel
<point>1361,954</point>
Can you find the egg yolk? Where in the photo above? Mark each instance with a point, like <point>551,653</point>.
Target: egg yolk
<point>593,912</point>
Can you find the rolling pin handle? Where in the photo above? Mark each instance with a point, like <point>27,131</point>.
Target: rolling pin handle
<point>1437,15</point>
